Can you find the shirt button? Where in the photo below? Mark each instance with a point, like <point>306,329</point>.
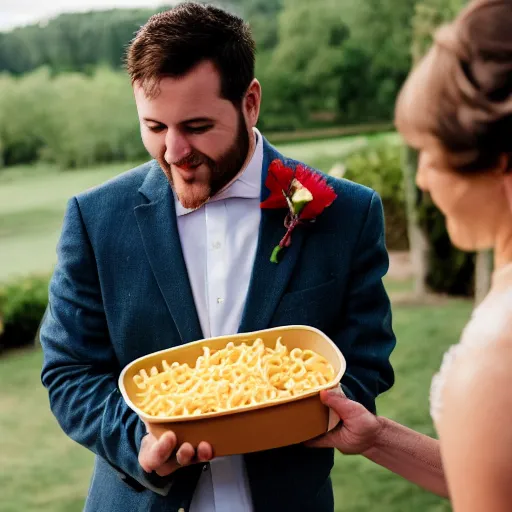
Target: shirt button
<point>220,300</point>
<point>216,245</point>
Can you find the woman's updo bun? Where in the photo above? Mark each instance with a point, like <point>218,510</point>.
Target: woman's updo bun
<point>461,92</point>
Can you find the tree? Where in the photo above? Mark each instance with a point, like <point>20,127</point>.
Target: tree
<point>381,34</point>
<point>310,42</point>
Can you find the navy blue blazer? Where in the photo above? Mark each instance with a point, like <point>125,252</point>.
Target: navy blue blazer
<point>120,290</point>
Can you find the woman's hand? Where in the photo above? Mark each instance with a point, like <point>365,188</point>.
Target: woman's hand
<point>357,431</point>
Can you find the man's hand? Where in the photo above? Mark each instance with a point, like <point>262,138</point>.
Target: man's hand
<point>358,430</point>
<point>157,454</point>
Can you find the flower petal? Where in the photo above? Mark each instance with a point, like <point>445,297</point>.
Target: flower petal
<point>323,194</point>
<point>278,181</point>
<point>274,201</point>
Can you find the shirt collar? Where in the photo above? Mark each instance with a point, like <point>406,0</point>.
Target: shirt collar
<point>247,185</point>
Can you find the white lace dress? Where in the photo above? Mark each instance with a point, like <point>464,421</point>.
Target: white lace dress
<point>489,321</point>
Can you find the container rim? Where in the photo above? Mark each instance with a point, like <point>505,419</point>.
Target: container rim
<point>244,408</point>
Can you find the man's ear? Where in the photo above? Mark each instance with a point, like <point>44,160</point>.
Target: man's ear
<point>251,103</point>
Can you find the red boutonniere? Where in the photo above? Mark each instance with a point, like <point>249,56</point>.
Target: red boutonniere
<point>305,193</point>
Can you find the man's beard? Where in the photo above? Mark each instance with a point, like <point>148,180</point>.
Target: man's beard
<point>213,175</point>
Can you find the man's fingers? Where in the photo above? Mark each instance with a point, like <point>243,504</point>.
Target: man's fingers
<point>160,456</point>
<point>167,468</point>
<point>204,452</point>
<point>185,454</point>
<point>155,453</point>
<point>164,448</point>
<point>183,457</point>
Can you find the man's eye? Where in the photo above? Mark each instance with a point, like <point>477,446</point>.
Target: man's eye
<point>156,128</point>
<point>198,129</point>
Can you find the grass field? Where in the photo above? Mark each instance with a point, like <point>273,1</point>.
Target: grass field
<point>43,471</point>
<point>33,199</point>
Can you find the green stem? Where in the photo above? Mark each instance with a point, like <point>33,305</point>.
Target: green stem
<point>275,252</point>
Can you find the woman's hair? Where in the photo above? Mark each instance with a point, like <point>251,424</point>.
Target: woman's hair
<point>461,92</point>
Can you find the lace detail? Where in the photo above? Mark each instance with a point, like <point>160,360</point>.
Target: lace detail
<point>487,324</point>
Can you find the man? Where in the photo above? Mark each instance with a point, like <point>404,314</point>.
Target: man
<point>179,249</point>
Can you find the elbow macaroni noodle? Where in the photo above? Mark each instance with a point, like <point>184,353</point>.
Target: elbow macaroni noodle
<point>232,377</point>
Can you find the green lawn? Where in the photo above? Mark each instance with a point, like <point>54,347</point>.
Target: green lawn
<point>33,199</point>
<point>32,203</point>
<point>43,471</point>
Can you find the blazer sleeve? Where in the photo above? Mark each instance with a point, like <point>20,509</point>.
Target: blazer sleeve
<point>366,333</point>
<point>80,367</point>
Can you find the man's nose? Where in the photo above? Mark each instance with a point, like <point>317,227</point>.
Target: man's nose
<point>176,147</point>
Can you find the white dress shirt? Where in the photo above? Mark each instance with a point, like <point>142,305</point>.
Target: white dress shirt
<point>219,246</point>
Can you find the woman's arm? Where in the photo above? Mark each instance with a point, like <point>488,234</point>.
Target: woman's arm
<point>475,429</point>
<point>414,456</point>
<point>407,453</point>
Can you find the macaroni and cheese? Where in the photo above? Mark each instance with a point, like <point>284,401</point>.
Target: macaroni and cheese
<point>232,377</point>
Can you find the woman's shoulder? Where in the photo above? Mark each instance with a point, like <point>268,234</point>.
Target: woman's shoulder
<point>476,391</point>
<point>480,368</point>
<point>491,322</point>
<point>486,343</point>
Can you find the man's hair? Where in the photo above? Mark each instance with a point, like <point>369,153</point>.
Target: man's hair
<point>173,42</point>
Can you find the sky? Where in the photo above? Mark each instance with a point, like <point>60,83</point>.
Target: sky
<point>14,13</point>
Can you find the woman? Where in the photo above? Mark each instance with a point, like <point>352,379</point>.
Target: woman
<point>456,109</point>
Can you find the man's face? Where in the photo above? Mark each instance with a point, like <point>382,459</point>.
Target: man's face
<point>200,140</point>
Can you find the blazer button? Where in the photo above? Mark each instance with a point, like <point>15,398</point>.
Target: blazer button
<point>181,509</point>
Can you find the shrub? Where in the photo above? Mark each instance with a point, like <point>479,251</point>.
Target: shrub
<point>71,120</point>
<point>378,166</point>
<point>22,305</point>
<point>450,270</point>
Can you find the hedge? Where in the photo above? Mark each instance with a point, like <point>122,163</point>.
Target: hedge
<point>23,302</point>
<point>378,166</point>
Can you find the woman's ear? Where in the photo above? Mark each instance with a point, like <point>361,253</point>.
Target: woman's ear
<point>507,178</point>
<point>505,169</point>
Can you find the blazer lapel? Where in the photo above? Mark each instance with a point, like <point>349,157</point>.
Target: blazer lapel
<point>159,231</point>
<point>269,280</point>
